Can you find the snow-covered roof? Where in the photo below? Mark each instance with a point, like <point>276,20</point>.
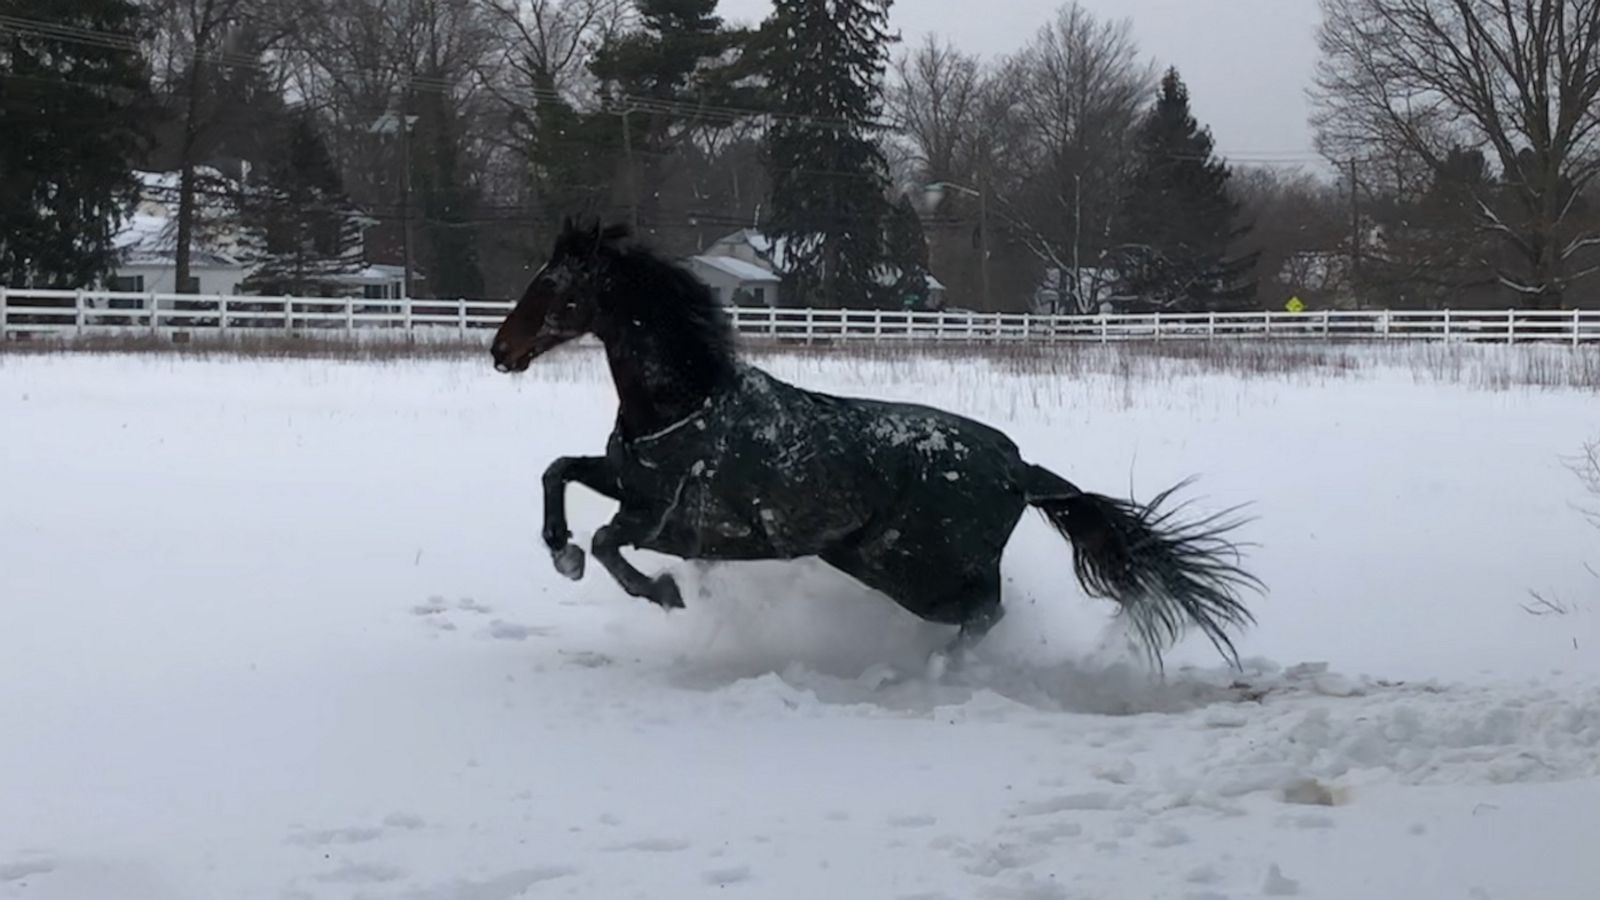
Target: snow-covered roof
<point>152,240</point>
<point>150,236</point>
<point>775,252</point>
<point>888,275</point>
<point>738,268</point>
<point>377,273</point>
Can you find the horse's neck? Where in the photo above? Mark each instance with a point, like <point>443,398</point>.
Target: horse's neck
<point>653,391</point>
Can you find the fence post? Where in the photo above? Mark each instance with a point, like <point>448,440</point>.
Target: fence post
<point>1447,329</point>
<point>461,317</point>
<point>78,316</point>
<point>222,313</point>
<point>1511,327</point>
<point>350,314</point>
<point>153,313</point>
<point>3,313</point>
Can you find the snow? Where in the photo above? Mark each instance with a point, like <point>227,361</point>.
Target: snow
<point>738,268</point>
<point>284,629</point>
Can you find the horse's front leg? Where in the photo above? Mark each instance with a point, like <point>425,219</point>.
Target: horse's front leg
<point>594,473</point>
<point>624,530</point>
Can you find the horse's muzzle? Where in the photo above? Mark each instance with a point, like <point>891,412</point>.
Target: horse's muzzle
<point>509,359</point>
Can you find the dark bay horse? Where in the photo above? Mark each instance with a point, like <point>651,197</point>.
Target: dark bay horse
<point>712,458</point>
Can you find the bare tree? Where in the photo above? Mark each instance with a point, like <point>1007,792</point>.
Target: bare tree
<point>545,46</point>
<point>1518,79</point>
<point>196,40</point>
<point>935,101</point>
<point>1300,227</point>
<point>1079,89</point>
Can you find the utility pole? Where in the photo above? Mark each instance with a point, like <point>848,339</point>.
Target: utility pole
<point>1355,230</point>
<point>983,228</point>
<point>633,176</point>
<point>405,181</point>
<point>1077,242</point>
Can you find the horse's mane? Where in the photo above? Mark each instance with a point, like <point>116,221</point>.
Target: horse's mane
<point>666,298</point>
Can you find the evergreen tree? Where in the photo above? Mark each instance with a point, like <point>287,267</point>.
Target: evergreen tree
<point>448,200</point>
<point>907,250</point>
<point>572,159</point>
<point>681,57</point>
<point>824,63</point>
<point>1178,219</point>
<point>305,227</point>
<point>72,115</point>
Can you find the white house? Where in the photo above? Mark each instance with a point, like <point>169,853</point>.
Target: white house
<point>147,246</point>
<point>737,282</point>
<point>747,250</point>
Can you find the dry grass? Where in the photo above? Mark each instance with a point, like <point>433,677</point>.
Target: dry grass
<point>1483,366</point>
<point>374,346</point>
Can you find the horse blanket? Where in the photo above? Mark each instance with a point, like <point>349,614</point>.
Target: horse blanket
<point>894,493</point>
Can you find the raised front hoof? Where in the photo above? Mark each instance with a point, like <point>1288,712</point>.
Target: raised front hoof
<point>569,561</point>
<point>665,594</point>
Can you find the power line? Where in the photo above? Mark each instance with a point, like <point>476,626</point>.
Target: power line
<point>613,103</point>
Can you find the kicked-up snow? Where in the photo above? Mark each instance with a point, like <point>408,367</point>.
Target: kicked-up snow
<point>285,629</point>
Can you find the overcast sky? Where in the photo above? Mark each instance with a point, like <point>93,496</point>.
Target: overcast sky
<point>1247,62</point>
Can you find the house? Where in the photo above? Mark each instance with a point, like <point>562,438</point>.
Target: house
<point>747,251</point>
<point>219,260</point>
<point>146,244</point>
<point>736,282</point>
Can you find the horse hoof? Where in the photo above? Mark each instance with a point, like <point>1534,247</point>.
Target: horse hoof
<point>665,594</point>
<point>938,664</point>
<point>569,561</point>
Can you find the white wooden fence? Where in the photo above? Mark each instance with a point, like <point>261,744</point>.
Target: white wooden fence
<point>29,314</point>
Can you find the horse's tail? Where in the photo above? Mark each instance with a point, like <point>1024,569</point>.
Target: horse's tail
<point>1164,574</point>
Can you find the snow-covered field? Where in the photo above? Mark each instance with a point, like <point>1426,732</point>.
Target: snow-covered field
<point>283,629</point>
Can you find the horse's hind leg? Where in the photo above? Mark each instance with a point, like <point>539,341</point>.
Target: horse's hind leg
<point>977,609</point>
<point>627,530</point>
<point>969,599</point>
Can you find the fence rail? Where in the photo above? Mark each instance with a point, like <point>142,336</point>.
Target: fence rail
<point>28,314</point>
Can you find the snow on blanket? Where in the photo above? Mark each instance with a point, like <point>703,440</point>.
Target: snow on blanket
<point>285,630</point>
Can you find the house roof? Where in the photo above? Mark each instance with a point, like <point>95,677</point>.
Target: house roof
<point>151,240</point>
<point>738,268</point>
<point>775,252</point>
<point>377,273</point>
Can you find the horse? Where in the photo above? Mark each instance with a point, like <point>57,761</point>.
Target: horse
<point>712,458</point>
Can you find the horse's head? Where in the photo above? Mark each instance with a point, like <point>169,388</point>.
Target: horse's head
<point>562,301</point>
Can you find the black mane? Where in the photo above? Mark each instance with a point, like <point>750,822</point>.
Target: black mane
<point>664,297</point>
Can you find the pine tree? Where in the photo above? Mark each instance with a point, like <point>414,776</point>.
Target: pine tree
<point>907,250</point>
<point>72,114</point>
<point>1178,219</point>
<point>448,201</point>
<point>825,61</point>
<point>680,58</point>
<point>572,159</point>
<point>306,228</point>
